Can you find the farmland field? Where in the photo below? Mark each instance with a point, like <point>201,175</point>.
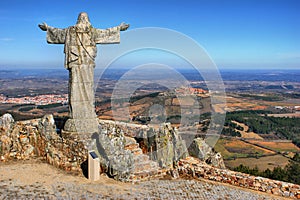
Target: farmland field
<point>231,148</point>
<point>277,146</point>
<point>262,163</point>
<point>285,115</point>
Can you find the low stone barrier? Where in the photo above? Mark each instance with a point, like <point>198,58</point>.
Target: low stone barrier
<point>197,169</point>
<point>38,137</point>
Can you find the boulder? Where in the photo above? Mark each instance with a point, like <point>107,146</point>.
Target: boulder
<point>164,145</point>
<point>47,127</point>
<point>216,160</point>
<point>115,160</point>
<point>200,149</point>
<point>7,122</point>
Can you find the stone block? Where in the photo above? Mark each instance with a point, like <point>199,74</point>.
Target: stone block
<point>93,166</point>
<point>82,125</point>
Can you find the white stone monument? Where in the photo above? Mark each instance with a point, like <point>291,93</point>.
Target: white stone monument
<point>80,52</point>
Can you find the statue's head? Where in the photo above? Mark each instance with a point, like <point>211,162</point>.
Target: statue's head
<point>83,18</point>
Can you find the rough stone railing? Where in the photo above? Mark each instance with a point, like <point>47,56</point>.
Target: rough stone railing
<point>162,143</point>
<point>25,139</point>
<point>131,130</point>
<point>197,169</point>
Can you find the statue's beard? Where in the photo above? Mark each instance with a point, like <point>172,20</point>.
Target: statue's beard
<point>83,25</point>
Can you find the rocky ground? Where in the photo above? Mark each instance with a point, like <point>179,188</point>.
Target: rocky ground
<point>34,179</point>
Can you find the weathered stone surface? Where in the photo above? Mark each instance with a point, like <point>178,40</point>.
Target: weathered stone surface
<point>216,160</point>
<point>39,138</point>
<point>164,145</point>
<point>6,122</point>
<point>47,127</point>
<point>200,149</point>
<point>17,141</point>
<point>5,146</point>
<point>82,125</point>
<point>196,168</point>
<point>114,159</point>
<point>143,167</point>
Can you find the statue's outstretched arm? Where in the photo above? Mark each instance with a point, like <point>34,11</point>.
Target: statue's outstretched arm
<point>54,35</point>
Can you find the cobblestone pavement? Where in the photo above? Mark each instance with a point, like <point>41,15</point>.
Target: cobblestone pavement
<point>194,189</point>
<point>156,189</point>
<point>41,181</point>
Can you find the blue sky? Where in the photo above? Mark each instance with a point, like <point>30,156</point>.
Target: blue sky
<point>252,34</point>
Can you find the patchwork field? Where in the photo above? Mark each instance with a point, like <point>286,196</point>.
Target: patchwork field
<point>154,105</point>
<point>232,148</point>
<point>252,153</point>
<point>277,145</point>
<point>236,102</point>
<point>262,163</point>
<point>233,103</point>
<point>285,115</point>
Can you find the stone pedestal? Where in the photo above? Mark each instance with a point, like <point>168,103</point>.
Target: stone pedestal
<point>85,139</point>
<point>82,125</point>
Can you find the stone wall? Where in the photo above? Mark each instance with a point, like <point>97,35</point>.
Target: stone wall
<point>162,143</point>
<point>25,139</point>
<point>193,167</point>
<point>109,144</point>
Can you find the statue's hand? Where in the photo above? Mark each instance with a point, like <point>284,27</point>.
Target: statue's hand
<point>43,26</point>
<point>123,26</point>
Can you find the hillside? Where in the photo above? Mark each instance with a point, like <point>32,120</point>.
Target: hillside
<point>259,122</point>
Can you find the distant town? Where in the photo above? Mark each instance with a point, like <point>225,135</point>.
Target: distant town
<point>36,100</point>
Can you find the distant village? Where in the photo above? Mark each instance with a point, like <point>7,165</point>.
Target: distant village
<point>36,100</point>
<point>192,91</point>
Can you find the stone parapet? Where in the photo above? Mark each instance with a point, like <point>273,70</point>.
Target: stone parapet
<point>38,137</point>
<point>194,168</point>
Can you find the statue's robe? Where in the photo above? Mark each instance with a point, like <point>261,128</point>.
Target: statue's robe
<point>80,53</point>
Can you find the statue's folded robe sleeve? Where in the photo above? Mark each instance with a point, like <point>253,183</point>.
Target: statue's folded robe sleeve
<point>107,36</point>
<point>56,35</point>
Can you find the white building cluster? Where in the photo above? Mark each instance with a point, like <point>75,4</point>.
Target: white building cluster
<point>37,100</point>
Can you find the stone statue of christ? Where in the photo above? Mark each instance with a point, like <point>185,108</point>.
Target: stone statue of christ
<point>80,52</point>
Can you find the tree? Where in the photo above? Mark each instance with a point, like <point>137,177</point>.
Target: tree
<point>279,174</point>
<point>267,173</point>
<point>293,172</point>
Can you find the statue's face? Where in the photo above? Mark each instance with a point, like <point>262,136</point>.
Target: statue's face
<point>83,18</point>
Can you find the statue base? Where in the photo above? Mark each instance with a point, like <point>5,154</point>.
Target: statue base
<point>86,139</point>
<point>82,125</point>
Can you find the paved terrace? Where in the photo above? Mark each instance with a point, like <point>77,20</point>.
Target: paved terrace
<point>34,179</point>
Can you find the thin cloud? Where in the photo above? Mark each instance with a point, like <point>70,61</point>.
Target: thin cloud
<point>6,39</point>
<point>292,55</point>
